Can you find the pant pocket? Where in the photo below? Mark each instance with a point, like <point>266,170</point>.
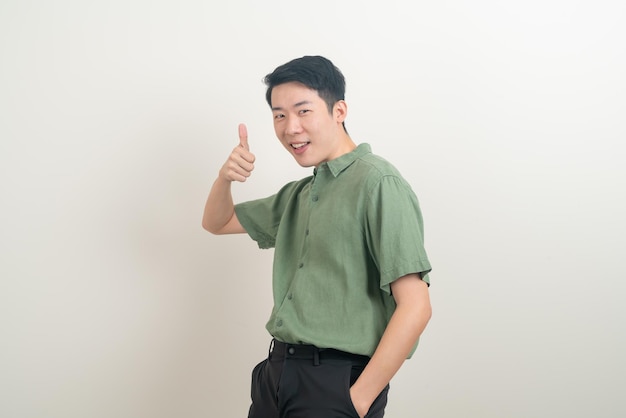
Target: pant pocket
<point>256,386</point>
<point>377,409</point>
<point>353,371</point>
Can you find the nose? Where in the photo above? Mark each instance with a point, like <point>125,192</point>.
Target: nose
<point>293,126</point>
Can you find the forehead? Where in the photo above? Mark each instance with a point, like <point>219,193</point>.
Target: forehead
<point>292,94</point>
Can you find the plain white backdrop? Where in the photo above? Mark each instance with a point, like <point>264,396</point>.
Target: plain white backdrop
<point>508,119</point>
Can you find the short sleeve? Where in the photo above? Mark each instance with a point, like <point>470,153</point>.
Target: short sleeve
<point>259,221</point>
<point>261,218</point>
<point>395,232</point>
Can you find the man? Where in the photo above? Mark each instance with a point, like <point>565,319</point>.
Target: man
<point>350,282</point>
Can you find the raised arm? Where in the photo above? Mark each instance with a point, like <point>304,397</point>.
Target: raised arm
<point>219,211</point>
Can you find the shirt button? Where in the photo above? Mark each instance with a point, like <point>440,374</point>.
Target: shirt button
<point>292,351</point>
<point>315,198</point>
<point>306,232</point>
<point>290,296</point>
<point>279,323</point>
<point>300,265</point>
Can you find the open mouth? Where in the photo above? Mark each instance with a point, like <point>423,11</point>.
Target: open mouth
<point>299,145</point>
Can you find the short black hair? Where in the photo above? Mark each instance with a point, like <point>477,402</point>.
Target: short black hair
<point>313,71</point>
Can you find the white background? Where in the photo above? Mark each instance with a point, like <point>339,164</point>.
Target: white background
<point>508,119</point>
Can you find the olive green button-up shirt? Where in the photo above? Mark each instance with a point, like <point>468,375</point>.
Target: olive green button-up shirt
<point>341,237</point>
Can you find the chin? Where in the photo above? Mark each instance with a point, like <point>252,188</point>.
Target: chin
<point>306,164</point>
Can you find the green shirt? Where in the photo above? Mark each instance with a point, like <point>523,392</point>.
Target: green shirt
<point>341,237</point>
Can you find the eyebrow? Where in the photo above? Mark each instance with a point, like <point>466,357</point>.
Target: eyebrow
<point>296,105</point>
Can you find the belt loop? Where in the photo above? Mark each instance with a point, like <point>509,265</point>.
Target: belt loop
<point>316,357</point>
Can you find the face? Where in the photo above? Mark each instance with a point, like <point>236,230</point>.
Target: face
<point>306,128</point>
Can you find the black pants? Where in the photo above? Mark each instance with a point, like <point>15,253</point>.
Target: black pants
<point>301,381</point>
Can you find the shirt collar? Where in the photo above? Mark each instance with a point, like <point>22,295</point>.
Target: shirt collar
<point>339,164</point>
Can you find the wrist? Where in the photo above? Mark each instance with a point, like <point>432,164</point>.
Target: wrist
<point>222,179</point>
<point>360,402</point>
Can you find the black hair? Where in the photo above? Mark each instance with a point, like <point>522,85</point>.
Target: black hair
<point>315,72</point>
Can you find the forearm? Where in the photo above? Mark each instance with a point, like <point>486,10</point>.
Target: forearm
<point>219,207</point>
<point>405,327</point>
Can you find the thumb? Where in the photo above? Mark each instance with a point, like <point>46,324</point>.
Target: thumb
<point>243,136</point>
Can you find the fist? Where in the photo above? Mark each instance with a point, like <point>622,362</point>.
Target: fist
<point>240,163</point>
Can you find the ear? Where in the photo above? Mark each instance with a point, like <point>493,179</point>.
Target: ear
<point>340,111</point>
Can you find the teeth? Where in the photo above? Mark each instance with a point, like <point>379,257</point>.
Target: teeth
<point>296,146</point>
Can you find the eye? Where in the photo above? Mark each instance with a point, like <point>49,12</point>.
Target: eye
<point>303,111</point>
<point>278,116</point>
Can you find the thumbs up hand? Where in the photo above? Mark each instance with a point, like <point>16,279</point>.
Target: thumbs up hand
<point>240,163</point>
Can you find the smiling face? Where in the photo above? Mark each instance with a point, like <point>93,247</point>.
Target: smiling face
<point>306,128</point>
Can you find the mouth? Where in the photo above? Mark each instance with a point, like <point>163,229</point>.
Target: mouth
<point>299,147</point>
